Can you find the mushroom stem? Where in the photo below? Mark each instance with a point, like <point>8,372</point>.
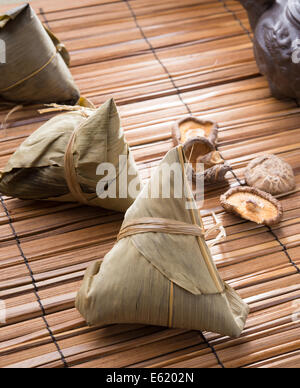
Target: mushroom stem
<point>253,206</point>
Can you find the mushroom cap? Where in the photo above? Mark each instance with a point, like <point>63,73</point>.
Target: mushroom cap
<point>216,174</point>
<point>190,127</point>
<point>253,205</point>
<point>197,148</point>
<point>271,174</point>
<point>212,159</point>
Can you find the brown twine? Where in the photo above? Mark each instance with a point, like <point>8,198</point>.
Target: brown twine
<point>30,75</point>
<point>159,225</point>
<point>168,226</point>
<point>171,304</point>
<point>222,236</point>
<point>4,122</point>
<point>70,171</point>
<point>67,108</point>
<point>164,225</point>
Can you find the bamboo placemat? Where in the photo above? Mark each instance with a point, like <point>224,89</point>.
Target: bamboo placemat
<point>161,61</point>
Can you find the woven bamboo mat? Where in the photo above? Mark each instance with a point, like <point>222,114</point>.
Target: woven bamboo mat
<point>161,61</point>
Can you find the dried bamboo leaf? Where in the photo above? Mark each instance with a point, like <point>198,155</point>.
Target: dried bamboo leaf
<point>36,65</point>
<point>160,278</point>
<point>37,170</point>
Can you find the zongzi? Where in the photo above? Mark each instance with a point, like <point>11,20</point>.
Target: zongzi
<point>161,271</point>
<point>35,69</point>
<point>79,156</point>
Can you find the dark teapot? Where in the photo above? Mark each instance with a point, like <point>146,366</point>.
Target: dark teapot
<point>276,27</point>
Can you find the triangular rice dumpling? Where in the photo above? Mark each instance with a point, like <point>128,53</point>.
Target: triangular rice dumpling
<point>60,161</point>
<point>161,271</point>
<point>34,63</point>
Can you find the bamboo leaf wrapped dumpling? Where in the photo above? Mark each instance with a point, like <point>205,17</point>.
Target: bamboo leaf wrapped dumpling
<point>35,69</point>
<point>161,271</point>
<point>60,161</point>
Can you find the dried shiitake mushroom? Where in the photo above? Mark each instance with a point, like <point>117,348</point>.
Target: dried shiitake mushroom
<point>200,151</point>
<point>253,205</point>
<point>191,127</point>
<point>271,174</point>
<point>211,159</point>
<point>216,174</point>
<point>196,149</point>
